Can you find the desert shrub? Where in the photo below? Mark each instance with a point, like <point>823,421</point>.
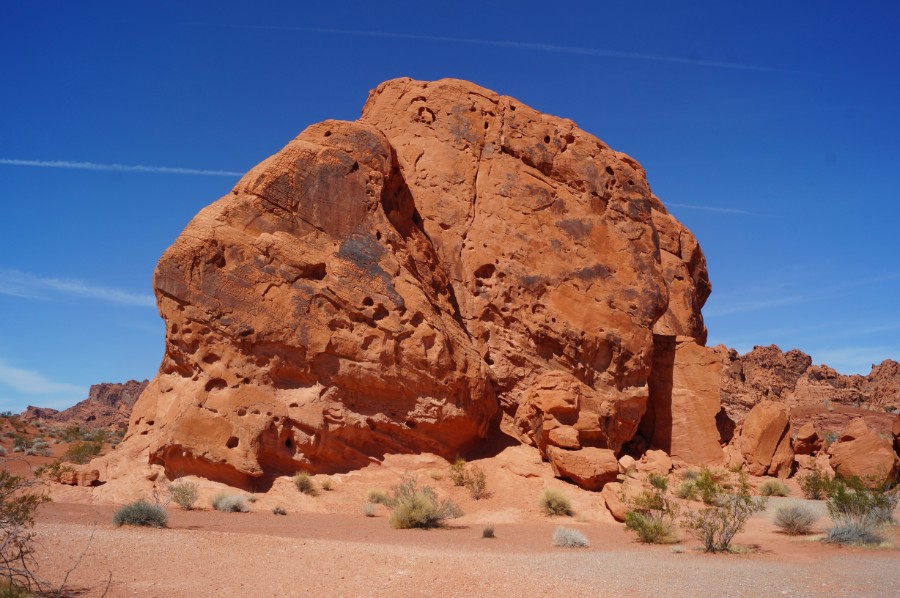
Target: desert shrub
<point>830,437</point>
<point>569,538</point>
<point>251,498</point>
<point>773,488</point>
<point>794,519</point>
<point>378,497</point>
<point>419,507</point>
<point>687,490</point>
<point>184,494</point>
<point>708,486</point>
<point>305,484</point>
<point>82,452</point>
<point>717,524</point>
<point>229,503</point>
<point>816,484</point>
<point>488,532</point>
<point>279,511</point>
<point>554,502</point>
<point>476,482</point>
<point>651,514</point>
<point>2,451</point>
<point>458,472</point>
<point>18,506</point>
<point>690,475</point>
<point>327,485</point>
<point>369,509</point>
<point>858,511</point>
<point>141,513</point>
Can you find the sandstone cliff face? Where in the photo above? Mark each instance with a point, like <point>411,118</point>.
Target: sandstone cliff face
<point>404,282</point>
<point>766,373</point>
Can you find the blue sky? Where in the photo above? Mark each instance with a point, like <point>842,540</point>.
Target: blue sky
<point>772,130</point>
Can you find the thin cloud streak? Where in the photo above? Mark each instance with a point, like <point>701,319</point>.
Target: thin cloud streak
<point>28,286</point>
<point>503,44</point>
<point>708,208</point>
<point>116,167</point>
<point>32,383</point>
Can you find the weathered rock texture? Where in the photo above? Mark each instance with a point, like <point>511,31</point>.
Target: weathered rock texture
<point>792,379</point>
<point>765,440</point>
<point>108,405</point>
<point>863,453</point>
<point>401,283</point>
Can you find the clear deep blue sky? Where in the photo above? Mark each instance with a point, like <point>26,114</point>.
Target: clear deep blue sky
<point>772,130</point>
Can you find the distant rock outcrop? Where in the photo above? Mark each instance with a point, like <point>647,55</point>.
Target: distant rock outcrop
<point>108,405</point>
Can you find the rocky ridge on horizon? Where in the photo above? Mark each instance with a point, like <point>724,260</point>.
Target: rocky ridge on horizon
<point>108,405</point>
<point>451,268</point>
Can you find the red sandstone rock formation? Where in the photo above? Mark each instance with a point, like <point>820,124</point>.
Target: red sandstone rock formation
<point>397,283</point>
<point>863,453</point>
<point>767,373</point>
<point>108,405</point>
<point>765,440</point>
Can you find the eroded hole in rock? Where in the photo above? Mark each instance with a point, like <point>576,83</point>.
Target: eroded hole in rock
<point>485,271</point>
<point>570,139</point>
<point>486,125</point>
<point>215,384</point>
<point>546,139</point>
<point>289,442</point>
<point>327,134</point>
<point>609,170</point>
<point>368,302</point>
<point>410,424</point>
<point>313,271</point>
<point>378,235</point>
<point>512,107</point>
<point>232,442</point>
<point>150,422</point>
<point>417,319</point>
<point>381,313</point>
<point>293,405</point>
<point>210,358</point>
<point>242,412</point>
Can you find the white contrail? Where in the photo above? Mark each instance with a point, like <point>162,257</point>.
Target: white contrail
<point>116,167</point>
<point>504,44</point>
<point>28,286</point>
<point>688,206</point>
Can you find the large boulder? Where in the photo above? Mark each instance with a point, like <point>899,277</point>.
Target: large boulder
<point>863,453</point>
<point>452,260</point>
<point>765,440</point>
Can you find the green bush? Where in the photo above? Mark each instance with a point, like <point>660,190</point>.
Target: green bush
<point>687,490</point>
<point>229,503</point>
<point>82,452</point>
<point>794,519</point>
<point>816,484</point>
<point>476,482</point>
<point>184,494</point>
<point>859,512</point>
<point>305,484</point>
<point>458,472</point>
<point>554,502</point>
<point>141,513</point>
<point>773,488</point>
<point>651,514</point>
<point>717,525</point>
<point>708,486</point>
<point>419,507</point>
<point>569,538</point>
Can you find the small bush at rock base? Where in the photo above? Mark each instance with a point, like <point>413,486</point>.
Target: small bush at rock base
<point>858,511</point>
<point>141,513</point>
<point>855,531</point>
<point>279,511</point>
<point>305,484</point>
<point>651,515</point>
<point>687,490</point>
<point>794,519</point>
<point>476,482</point>
<point>184,494</point>
<point>229,503</point>
<point>554,502</point>
<point>708,486</point>
<point>569,538</point>
<point>458,472</point>
<point>816,484</point>
<point>773,488</point>
<point>327,485</point>
<point>488,532</point>
<point>419,507</point>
